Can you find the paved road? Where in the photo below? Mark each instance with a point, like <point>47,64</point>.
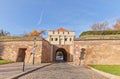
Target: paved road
<point>63,71</point>
<point>8,70</point>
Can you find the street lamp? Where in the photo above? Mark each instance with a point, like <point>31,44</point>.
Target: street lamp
<point>34,50</point>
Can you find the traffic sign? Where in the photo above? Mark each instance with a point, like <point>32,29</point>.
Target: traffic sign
<point>33,51</point>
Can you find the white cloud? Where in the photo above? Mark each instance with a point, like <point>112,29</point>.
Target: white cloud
<point>40,19</point>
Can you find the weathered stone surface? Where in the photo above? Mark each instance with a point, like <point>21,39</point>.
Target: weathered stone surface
<point>96,51</point>
<point>46,51</point>
<point>10,50</point>
<point>101,51</point>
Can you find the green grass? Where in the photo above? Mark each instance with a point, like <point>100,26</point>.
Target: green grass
<point>112,69</point>
<point>19,38</point>
<point>5,61</point>
<point>100,34</point>
<point>100,37</point>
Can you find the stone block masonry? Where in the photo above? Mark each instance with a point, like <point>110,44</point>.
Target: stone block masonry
<point>103,52</point>
<point>100,52</point>
<point>11,50</point>
<point>18,51</point>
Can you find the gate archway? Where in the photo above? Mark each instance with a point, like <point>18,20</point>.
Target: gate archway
<point>61,55</point>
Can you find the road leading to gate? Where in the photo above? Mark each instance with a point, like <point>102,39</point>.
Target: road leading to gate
<point>63,71</point>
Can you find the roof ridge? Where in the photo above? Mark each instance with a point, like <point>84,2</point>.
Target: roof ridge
<point>62,29</point>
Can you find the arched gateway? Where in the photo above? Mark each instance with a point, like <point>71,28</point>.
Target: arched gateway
<point>61,55</point>
<point>63,43</point>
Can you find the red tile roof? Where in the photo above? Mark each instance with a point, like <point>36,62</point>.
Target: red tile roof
<point>62,30</point>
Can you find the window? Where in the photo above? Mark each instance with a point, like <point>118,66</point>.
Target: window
<point>68,32</point>
<point>56,39</point>
<point>53,32</point>
<point>58,32</point>
<point>70,39</point>
<point>65,39</point>
<point>51,39</point>
<point>63,32</point>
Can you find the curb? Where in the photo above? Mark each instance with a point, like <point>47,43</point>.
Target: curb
<point>110,76</point>
<point>27,72</point>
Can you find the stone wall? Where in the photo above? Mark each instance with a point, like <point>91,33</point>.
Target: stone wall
<point>96,51</point>
<point>10,50</point>
<point>46,52</point>
<point>100,51</point>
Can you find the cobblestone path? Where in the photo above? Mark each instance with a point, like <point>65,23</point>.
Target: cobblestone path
<point>12,69</point>
<point>63,71</point>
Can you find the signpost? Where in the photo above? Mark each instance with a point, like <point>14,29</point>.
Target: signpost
<point>24,61</point>
<point>77,48</point>
<point>34,50</point>
<point>23,65</point>
<point>76,54</point>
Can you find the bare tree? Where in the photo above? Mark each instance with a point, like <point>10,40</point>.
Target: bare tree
<point>118,21</point>
<point>4,33</point>
<point>109,29</point>
<point>117,25</point>
<point>100,26</point>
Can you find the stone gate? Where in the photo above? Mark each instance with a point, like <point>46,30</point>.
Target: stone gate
<point>63,41</point>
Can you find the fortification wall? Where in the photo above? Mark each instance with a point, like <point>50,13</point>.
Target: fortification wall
<point>100,51</point>
<point>46,52</point>
<point>11,49</point>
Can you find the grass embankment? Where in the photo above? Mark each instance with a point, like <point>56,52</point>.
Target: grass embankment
<point>19,38</point>
<point>112,69</point>
<point>100,35</point>
<point>5,61</point>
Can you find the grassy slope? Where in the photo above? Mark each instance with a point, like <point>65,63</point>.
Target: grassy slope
<point>113,69</point>
<point>100,35</point>
<point>14,38</point>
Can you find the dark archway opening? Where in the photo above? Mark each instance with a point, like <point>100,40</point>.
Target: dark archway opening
<point>61,55</point>
<point>21,55</point>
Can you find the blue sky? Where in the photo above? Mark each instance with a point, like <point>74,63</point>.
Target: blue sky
<point>22,16</point>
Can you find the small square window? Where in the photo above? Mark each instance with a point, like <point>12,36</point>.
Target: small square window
<point>65,39</point>
<point>70,39</point>
<point>51,39</point>
<point>56,39</point>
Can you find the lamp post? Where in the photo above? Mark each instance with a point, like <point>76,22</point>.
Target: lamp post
<point>34,50</point>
